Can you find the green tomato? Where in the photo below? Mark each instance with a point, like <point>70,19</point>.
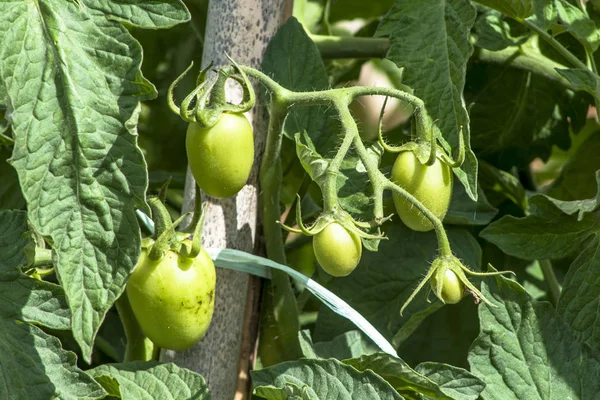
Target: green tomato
<point>453,289</point>
<point>337,250</point>
<point>221,156</point>
<point>431,185</point>
<point>173,298</point>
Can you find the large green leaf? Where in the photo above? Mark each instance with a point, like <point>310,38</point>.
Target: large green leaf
<point>150,380</point>
<point>410,383</point>
<point>11,196</point>
<point>526,351</point>
<point>349,344</point>
<point>553,230</point>
<point>72,75</point>
<point>518,9</point>
<point>574,20</point>
<point>517,116</point>
<point>430,39</point>
<point>322,380</point>
<point>33,365</point>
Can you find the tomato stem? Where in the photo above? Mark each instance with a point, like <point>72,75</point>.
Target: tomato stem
<point>138,347</point>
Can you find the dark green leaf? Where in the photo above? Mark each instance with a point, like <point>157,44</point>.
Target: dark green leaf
<point>322,380</point>
<point>551,231</point>
<point>142,14</point>
<point>495,33</point>
<point>517,116</point>
<point>517,9</point>
<point>580,298</point>
<point>33,364</point>
<point>465,211</point>
<point>410,383</point>
<point>437,75</point>
<point>582,79</point>
<point>525,350</point>
<point>455,382</point>
<point>150,380</point>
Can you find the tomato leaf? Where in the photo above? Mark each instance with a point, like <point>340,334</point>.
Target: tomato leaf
<point>580,297</point>
<point>465,211</point>
<point>320,379</point>
<point>73,80</point>
<point>438,74</point>
<point>553,230</point>
<point>525,350</point>
<point>517,9</point>
<point>150,380</point>
<point>34,366</point>
<point>11,196</point>
<point>495,33</point>
<point>408,381</point>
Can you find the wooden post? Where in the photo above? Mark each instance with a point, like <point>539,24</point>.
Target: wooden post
<point>241,29</point>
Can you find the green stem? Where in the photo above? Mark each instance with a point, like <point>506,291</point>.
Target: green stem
<point>551,280</point>
<point>351,47</point>
<point>284,309</point>
<point>555,44</point>
<point>139,347</point>
<point>43,257</point>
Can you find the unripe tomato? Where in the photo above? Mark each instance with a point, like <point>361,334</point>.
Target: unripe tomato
<point>221,156</point>
<point>453,289</point>
<point>431,185</point>
<point>173,298</point>
<point>337,250</point>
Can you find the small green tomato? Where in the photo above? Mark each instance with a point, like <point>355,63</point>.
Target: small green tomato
<point>453,289</point>
<point>173,298</point>
<point>431,185</point>
<point>337,250</point>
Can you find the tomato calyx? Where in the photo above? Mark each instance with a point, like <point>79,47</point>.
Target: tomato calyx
<point>208,99</point>
<point>447,277</point>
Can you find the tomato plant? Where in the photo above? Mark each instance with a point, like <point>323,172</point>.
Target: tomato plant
<point>173,298</point>
<point>431,185</point>
<point>221,156</point>
<point>337,250</point>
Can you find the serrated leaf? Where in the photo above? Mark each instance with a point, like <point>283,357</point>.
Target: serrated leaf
<point>517,9</point>
<point>494,33</point>
<point>349,344</point>
<point>74,84</point>
<point>551,231</point>
<point>578,24</point>
<point>526,351</point>
<point>33,365</point>
<point>150,380</point>
<point>324,379</point>
<point>384,279</point>
<point>141,14</point>
<point>455,382</point>
<point>430,40</point>
<point>410,383</point>
<point>582,79</point>
<point>580,298</point>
